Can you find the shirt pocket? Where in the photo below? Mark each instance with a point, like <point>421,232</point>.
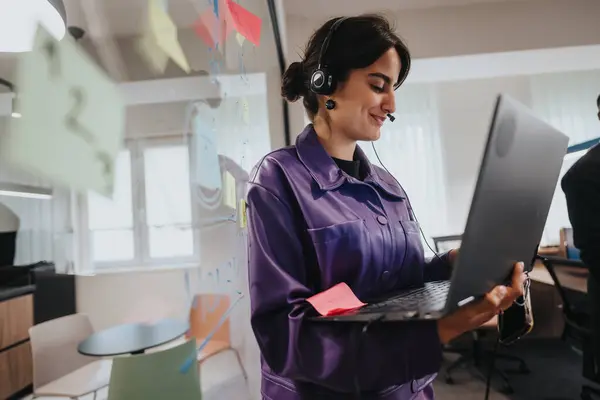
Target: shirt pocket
<point>413,259</point>
<point>343,252</point>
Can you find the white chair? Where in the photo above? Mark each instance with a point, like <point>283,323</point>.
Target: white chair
<point>58,368</point>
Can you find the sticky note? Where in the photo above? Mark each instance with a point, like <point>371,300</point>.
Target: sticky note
<point>246,23</point>
<point>149,50</point>
<point>165,34</point>
<point>229,194</point>
<point>206,28</point>
<point>184,368</point>
<point>72,122</point>
<point>242,214</point>
<point>206,171</point>
<point>335,300</point>
<point>214,27</point>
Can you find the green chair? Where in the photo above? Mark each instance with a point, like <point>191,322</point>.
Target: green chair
<point>156,376</point>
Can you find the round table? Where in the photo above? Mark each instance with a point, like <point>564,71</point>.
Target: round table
<point>132,338</point>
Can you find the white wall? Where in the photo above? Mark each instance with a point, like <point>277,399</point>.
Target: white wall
<point>471,29</point>
<point>441,32</point>
<point>465,110</point>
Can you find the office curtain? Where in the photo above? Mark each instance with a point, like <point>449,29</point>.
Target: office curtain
<point>410,148</point>
<point>32,217</point>
<point>568,102</point>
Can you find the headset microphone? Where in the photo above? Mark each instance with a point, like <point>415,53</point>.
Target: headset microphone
<point>391,117</point>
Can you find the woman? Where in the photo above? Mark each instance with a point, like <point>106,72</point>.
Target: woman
<point>320,213</point>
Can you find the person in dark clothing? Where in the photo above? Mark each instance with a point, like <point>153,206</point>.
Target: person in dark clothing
<point>581,185</point>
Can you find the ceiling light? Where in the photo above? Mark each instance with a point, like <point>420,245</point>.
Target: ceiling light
<point>15,107</point>
<point>19,20</point>
<point>18,190</point>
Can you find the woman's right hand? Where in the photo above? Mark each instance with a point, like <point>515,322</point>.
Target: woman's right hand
<point>472,316</point>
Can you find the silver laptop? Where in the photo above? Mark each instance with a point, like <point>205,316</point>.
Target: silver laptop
<point>517,179</point>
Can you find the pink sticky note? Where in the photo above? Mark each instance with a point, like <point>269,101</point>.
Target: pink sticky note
<point>206,27</point>
<point>335,300</point>
<point>211,29</point>
<point>246,23</point>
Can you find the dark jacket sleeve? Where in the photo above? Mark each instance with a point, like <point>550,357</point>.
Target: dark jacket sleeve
<point>324,353</point>
<point>581,185</point>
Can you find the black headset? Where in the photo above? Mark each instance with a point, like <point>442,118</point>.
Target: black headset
<point>322,81</point>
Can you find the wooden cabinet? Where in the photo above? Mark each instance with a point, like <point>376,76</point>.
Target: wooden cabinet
<point>16,371</point>
<point>16,317</point>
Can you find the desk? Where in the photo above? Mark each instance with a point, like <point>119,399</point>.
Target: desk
<point>573,278</point>
<point>16,317</point>
<point>132,338</point>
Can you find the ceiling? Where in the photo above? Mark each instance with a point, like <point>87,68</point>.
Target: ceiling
<point>112,26</point>
<point>103,18</point>
<point>319,8</point>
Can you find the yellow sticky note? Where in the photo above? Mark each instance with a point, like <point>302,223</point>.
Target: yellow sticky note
<point>165,34</point>
<point>245,111</point>
<point>240,39</point>
<point>73,117</point>
<point>156,58</point>
<point>229,193</point>
<point>242,214</point>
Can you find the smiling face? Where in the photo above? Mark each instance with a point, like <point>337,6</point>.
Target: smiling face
<point>365,98</point>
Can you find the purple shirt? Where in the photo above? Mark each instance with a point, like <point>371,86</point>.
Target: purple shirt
<point>311,226</point>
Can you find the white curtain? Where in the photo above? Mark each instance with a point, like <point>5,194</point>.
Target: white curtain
<point>33,219</point>
<point>568,102</point>
<point>410,148</point>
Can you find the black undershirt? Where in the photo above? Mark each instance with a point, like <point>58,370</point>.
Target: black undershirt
<point>352,168</point>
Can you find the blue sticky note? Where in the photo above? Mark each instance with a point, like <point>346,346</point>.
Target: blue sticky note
<point>216,7</point>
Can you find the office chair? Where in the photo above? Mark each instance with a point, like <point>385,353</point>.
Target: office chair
<point>479,357</point>
<point>577,324</point>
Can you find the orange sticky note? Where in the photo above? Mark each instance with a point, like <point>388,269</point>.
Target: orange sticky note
<point>335,300</point>
<point>246,23</point>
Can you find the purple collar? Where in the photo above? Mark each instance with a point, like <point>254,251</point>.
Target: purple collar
<point>329,176</point>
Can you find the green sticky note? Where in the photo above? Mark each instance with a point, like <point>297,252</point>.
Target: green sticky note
<point>165,34</point>
<point>242,214</point>
<point>72,121</point>
<point>229,192</point>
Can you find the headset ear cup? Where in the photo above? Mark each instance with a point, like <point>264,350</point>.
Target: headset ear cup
<point>322,82</point>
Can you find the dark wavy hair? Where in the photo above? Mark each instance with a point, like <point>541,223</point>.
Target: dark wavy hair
<point>357,43</point>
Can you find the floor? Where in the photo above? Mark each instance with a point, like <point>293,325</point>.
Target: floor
<point>556,375</point>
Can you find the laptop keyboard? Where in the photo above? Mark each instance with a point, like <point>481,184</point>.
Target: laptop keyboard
<point>430,297</point>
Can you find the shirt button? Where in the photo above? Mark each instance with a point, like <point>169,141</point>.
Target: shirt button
<point>382,220</point>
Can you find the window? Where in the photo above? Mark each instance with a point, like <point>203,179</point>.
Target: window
<point>568,102</point>
<point>410,149</point>
<point>110,221</point>
<point>149,220</point>
<point>168,202</point>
